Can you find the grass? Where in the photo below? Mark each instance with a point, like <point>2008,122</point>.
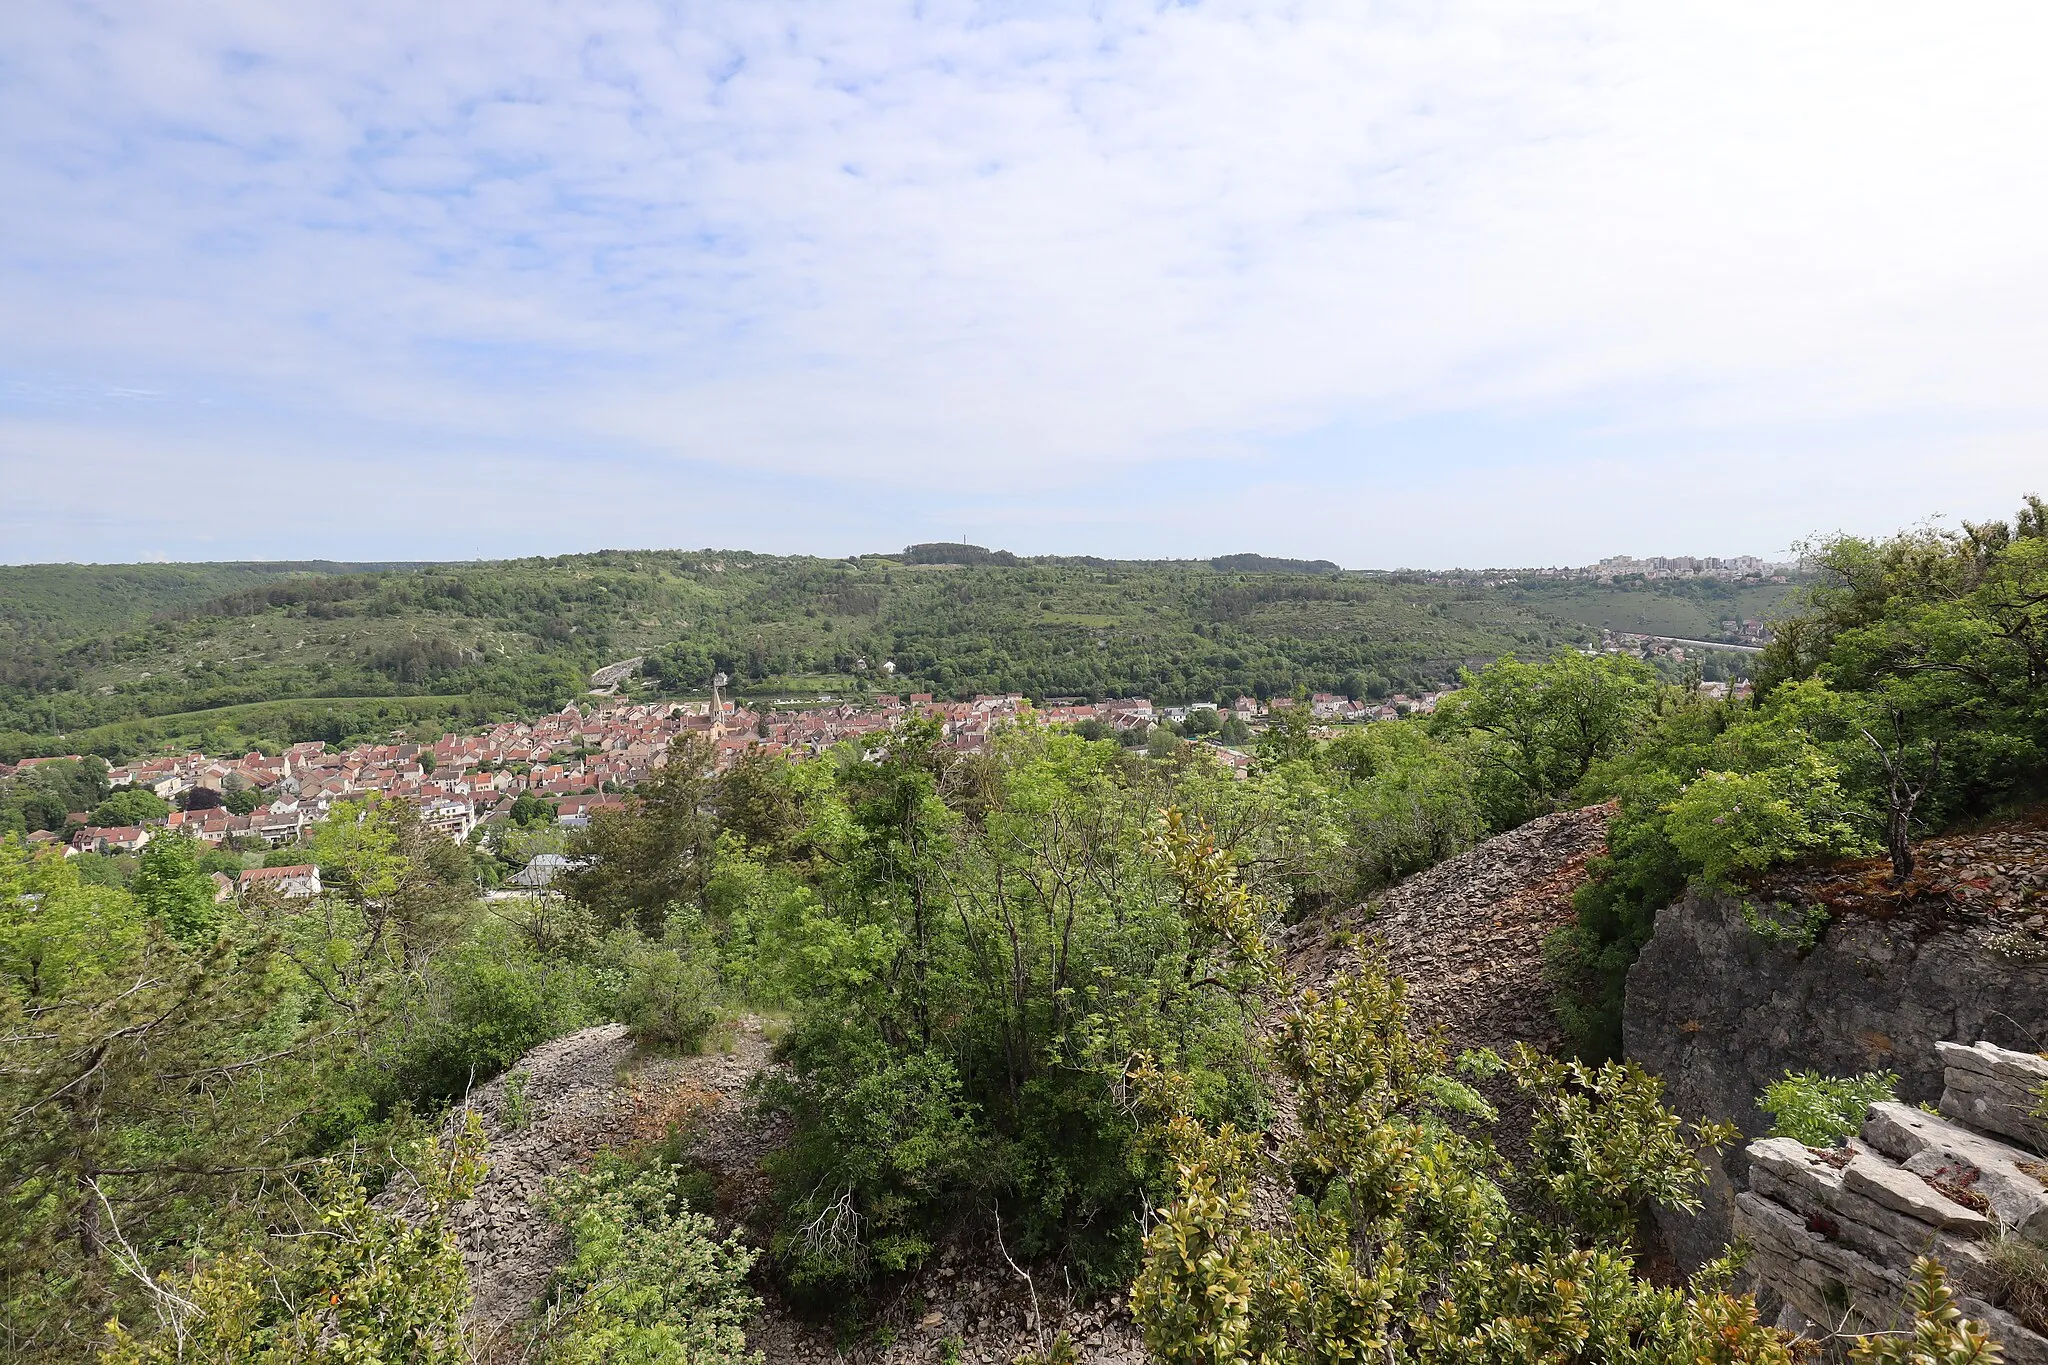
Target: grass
<point>2018,1274</point>
<point>1076,618</point>
<point>251,713</point>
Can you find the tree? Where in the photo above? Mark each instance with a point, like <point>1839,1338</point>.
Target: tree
<point>123,1086</point>
<point>643,865</point>
<point>395,894</point>
<point>529,810</point>
<point>1290,736</point>
<point>1911,764</point>
<point>757,799</point>
<point>130,806</point>
<point>1549,723</point>
<point>172,886</point>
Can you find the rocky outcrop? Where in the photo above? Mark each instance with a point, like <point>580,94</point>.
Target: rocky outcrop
<point>1995,1090</point>
<point>562,1103</point>
<point>1467,935</point>
<point>1834,1233</point>
<point>1719,1013</point>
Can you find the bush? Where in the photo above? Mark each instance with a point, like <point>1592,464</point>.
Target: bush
<point>484,1008</point>
<point>668,999</point>
<point>1734,825</point>
<point>1821,1111</point>
<point>868,1176</point>
<point>372,1286</point>
<point>647,1279</point>
<point>1940,1334</point>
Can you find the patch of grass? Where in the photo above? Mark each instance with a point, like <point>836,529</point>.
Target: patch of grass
<point>2018,1275</point>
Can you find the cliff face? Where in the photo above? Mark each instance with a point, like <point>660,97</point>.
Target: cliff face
<point>1720,1014</point>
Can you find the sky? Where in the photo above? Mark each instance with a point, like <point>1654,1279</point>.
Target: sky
<point>1386,283</point>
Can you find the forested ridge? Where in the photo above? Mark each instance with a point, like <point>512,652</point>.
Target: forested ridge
<point>120,659</point>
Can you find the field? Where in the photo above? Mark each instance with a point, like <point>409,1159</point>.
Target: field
<point>1691,608</point>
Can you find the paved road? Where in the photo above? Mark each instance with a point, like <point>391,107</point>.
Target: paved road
<point>611,673</point>
<point>1703,644</point>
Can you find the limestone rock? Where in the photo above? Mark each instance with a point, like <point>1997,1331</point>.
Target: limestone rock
<point>1719,1014</point>
<point>1995,1090</point>
<point>1835,1233</point>
<point>1941,1150</point>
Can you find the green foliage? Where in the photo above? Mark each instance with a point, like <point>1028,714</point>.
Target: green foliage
<point>669,998</point>
<point>1547,724</point>
<point>1013,984</point>
<point>171,884</point>
<point>518,1108</point>
<point>489,1004</point>
<point>1940,1335</point>
<point>41,797</point>
<point>130,806</point>
<point>1821,1111</point>
<point>1403,1244</point>
<point>1791,927</point>
<point>648,1280</point>
<point>364,1285</point>
<point>1912,690</point>
<point>169,1068</point>
<point>529,810</point>
<point>887,1140</point>
<point>640,870</point>
<point>339,656</point>
<point>981,945</point>
<point>1732,826</point>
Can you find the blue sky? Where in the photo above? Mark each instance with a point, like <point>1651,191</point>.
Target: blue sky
<point>1392,284</point>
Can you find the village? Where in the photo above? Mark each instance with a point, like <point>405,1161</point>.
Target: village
<point>583,761</point>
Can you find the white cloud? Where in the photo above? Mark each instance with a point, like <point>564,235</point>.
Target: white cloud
<point>972,246</point>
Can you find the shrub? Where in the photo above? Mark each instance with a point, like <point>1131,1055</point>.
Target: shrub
<point>1821,1111</point>
<point>647,1280</point>
<point>668,999</point>
<point>477,1013</point>
<point>372,1286</point>
<point>868,1176</point>
<point>1940,1335</point>
<point>1734,825</point>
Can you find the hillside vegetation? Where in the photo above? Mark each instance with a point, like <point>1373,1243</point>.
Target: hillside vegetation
<point>122,659</point>
<point>1029,996</point>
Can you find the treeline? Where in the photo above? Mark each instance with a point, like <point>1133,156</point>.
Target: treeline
<point>526,633</point>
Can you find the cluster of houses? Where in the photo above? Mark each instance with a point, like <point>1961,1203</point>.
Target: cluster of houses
<point>581,761</point>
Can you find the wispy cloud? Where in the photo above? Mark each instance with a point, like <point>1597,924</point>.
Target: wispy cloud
<point>826,275</point>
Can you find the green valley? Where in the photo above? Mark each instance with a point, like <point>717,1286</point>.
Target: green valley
<point>122,659</point>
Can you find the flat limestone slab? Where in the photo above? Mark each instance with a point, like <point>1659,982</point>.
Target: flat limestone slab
<point>1904,1192</point>
<point>2028,1070</point>
<point>1935,1146</point>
